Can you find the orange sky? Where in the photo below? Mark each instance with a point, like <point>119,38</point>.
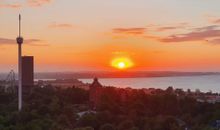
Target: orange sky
<point>85,35</point>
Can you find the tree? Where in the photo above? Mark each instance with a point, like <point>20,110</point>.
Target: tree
<point>170,90</point>
<point>84,128</point>
<point>126,125</point>
<point>107,127</point>
<point>89,120</point>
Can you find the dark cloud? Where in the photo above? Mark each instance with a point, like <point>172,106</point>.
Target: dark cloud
<point>197,35</point>
<point>132,31</point>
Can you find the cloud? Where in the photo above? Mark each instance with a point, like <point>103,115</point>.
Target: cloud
<point>167,28</point>
<point>35,42</point>
<point>37,3</point>
<point>61,25</point>
<point>13,6</point>
<point>206,28</point>
<point>216,21</point>
<point>20,4</point>
<point>198,34</point>
<point>10,4</point>
<point>213,19</point>
<point>131,31</point>
<point>214,41</point>
<point>210,34</point>
<point>31,42</point>
<point>6,41</point>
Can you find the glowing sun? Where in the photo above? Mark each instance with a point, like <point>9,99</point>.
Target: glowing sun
<point>122,63</point>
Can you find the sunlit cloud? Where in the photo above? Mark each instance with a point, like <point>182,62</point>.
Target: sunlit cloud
<point>214,41</point>
<point>13,6</point>
<point>212,19</point>
<point>20,4</point>
<point>216,21</point>
<point>6,41</point>
<point>210,34</point>
<point>206,28</point>
<point>173,27</point>
<point>37,3</point>
<point>199,34</point>
<point>131,31</point>
<point>151,31</point>
<point>10,4</point>
<point>167,28</point>
<point>61,25</point>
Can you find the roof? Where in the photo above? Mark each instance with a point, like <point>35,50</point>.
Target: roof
<point>96,84</point>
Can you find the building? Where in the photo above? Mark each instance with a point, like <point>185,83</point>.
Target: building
<point>27,70</point>
<point>95,91</point>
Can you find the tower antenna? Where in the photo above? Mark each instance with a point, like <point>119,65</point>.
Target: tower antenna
<point>19,25</point>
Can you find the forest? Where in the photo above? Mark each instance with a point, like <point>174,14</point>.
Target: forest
<point>51,108</point>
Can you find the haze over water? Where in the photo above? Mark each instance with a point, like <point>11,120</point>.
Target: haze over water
<point>204,83</point>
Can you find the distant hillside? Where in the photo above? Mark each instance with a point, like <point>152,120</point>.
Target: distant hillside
<point>67,75</point>
<point>92,74</point>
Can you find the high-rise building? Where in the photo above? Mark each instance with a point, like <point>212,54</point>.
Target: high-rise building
<point>27,70</point>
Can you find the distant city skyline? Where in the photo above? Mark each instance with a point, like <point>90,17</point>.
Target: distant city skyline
<point>80,35</point>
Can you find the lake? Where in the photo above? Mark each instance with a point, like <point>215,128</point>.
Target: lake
<point>204,83</point>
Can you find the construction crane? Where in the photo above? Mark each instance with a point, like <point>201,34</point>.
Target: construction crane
<point>10,82</point>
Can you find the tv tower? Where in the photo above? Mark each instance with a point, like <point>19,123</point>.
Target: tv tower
<point>19,41</point>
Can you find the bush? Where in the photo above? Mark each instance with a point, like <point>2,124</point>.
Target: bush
<point>107,127</point>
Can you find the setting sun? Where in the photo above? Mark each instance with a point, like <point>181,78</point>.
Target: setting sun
<point>122,63</point>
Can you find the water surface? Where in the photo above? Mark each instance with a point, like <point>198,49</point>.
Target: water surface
<point>204,83</point>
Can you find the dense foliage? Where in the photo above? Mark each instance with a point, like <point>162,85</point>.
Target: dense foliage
<point>58,109</point>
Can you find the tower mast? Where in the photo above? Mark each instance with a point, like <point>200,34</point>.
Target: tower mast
<point>19,42</point>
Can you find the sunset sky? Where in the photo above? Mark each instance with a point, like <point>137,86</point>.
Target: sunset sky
<point>81,35</point>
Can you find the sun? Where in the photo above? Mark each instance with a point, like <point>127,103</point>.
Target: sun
<point>122,63</point>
